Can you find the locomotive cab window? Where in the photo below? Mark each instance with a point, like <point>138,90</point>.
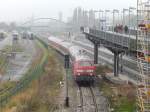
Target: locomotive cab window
<point>85,63</point>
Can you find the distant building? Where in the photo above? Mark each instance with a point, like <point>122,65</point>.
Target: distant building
<point>60,16</point>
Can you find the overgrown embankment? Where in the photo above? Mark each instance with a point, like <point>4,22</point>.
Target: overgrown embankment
<point>122,98</point>
<point>41,95</point>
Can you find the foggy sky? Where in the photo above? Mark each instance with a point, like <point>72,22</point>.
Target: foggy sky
<point>21,10</point>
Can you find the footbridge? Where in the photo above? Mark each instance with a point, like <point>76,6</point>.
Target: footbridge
<point>117,43</point>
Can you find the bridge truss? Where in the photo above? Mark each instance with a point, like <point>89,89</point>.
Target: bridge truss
<point>143,22</point>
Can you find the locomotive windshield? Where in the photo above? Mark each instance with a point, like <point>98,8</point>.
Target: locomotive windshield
<point>85,63</point>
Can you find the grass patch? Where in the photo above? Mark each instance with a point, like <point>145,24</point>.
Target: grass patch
<point>121,97</point>
<point>15,48</point>
<point>102,70</point>
<point>7,49</point>
<point>8,84</point>
<point>3,63</point>
<point>5,87</point>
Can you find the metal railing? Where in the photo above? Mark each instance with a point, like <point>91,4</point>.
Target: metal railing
<point>113,37</point>
<point>120,39</point>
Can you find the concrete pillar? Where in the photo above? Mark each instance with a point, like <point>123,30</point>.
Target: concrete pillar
<point>116,64</point>
<point>95,53</point>
<point>121,60</point>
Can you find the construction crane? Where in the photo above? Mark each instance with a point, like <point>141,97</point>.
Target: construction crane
<point>143,45</point>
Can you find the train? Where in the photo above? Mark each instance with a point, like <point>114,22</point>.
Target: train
<point>28,35</point>
<point>2,34</point>
<point>83,68</point>
<point>15,35</point>
<point>82,65</point>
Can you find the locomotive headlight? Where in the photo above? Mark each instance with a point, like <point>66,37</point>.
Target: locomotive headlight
<point>80,71</point>
<point>90,71</point>
<point>91,74</point>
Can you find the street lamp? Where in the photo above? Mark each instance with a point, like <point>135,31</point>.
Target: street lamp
<point>66,66</point>
<point>101,19</point>
<point>123,21</point>
<point>99,11</point>
<point>130,10</point>
<point>95,17</point>
<point>106,11</point>
<point>86,23</point>
<point>86,14</point>
<point>114,11</point>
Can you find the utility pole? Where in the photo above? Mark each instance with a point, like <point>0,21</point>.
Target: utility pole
<point>121,55</point>
<point>67,73</point>
<point>99,11</point>
<point>130,10</point>
<point>14,44</point>
<point>87,14</point>
<point>106,11</point>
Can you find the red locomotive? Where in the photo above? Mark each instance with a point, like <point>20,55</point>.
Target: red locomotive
<point>82,65</point>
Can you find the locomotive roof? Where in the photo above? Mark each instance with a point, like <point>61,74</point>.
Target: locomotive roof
<point>75,50</point>
<point>78,52</point>
<point>62,42</point>
<point>57,40</point>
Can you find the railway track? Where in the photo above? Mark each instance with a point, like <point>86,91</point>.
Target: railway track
<point>87,100</point>
<point>94,99</point>
<point>80,106</point>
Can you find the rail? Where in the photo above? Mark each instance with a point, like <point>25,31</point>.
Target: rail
<point>94,99</point>
<point>89,101</point>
